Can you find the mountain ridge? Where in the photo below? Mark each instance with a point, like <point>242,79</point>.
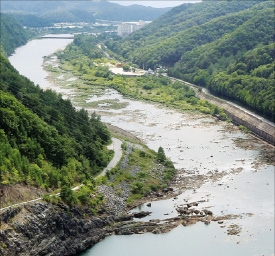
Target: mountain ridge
<point>73,11</point>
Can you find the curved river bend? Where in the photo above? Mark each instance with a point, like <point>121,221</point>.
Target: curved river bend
<point>198,145</point>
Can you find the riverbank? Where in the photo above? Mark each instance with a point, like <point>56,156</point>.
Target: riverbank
<point>200,147</point>
<point>210,157</point>
<point>63,230</point>
<point>156,93</point>
<point>258,126</point>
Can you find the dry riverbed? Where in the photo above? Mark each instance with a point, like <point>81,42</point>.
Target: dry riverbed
<point>216,162</point>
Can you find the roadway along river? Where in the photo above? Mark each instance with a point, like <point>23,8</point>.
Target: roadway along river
<point>199,145</point>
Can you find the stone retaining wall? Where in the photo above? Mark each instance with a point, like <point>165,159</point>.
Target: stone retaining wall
<point>261,129</point>
<point>238,116</point>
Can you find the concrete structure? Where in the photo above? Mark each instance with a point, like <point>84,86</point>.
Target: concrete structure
<point>126,28</point>
<point>262,129</point>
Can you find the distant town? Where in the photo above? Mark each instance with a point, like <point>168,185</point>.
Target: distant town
<point>119,28</point>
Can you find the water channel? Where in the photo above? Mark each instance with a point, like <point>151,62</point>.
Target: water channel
<point>198,145</point>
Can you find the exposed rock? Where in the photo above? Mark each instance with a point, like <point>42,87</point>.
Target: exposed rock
<point>140,214</point>
<point>166,190</point>
<point>124,218</point>
<point>234,229</point>
<point>113,203</point>
<point>207,212</point>
<point>196,211</point>
<point>45,229</point>
<point>207,222</point>
<point>183,210</point>
<point>132,228</point>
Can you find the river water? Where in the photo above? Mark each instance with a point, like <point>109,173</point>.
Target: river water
<point>198,145</point>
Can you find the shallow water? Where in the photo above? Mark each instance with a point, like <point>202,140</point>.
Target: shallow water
<point>199,240</point>
<point>201,145</point>
<point>28,59</point>
<point>192,141</point>
<point>197,144</point>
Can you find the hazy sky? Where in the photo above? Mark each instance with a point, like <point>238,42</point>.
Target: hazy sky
<point>156,3</point>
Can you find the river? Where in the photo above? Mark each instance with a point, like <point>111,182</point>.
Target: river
<point>199,145</point>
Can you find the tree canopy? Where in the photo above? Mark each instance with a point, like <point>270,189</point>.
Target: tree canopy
<point>44,140</point>
<point>212,44</point>
<point>13,34</point>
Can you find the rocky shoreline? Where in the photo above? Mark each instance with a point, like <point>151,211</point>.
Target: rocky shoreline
<point>49,229</point>
<point>52,228</point>
<point>43,228</point>
<point>46,229</point>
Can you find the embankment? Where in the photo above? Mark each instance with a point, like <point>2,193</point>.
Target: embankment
<point>238,116</point>
<point>257,126</point>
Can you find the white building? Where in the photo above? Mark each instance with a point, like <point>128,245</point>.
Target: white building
<point>126,28</point>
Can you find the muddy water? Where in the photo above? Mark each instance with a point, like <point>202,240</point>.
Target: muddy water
<point>28,59</point>
<point>224,165</point>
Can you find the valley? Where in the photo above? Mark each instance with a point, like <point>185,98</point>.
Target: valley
<point>234,152</point>
<point>193,171</point>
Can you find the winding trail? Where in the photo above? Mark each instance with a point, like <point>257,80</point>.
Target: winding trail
<point>115,145</point>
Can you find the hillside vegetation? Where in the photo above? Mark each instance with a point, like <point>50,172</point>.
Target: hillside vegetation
<point>44,140</point>
<point>82,11</point>
<point>213,44</point>
<point>13,34</point>
<point>46,145</point>
<point>30,20</point>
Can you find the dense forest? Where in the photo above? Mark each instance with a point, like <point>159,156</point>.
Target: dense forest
<point>12,34</point>
<point>212,44</point>
<point>44,140</point>
<point>30,20</point>
<point>82,11</point>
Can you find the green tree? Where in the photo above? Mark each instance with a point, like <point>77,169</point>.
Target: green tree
<point>126,67</point>
<point>68,196</point>
<point>161,155</point>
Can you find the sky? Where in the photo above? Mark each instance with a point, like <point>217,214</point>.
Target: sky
<point>156,3</point>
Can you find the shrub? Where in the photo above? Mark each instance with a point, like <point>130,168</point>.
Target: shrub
<point>138,188</point>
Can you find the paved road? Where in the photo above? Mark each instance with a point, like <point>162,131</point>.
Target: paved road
<point>115,145</point>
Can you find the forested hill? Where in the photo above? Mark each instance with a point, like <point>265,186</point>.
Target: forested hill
<point>224,45</point>
<point>13,34</point>
<point>43,140</point>
<point>85,11</point>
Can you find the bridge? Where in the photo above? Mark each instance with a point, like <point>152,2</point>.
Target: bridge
<point>57,37</point>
